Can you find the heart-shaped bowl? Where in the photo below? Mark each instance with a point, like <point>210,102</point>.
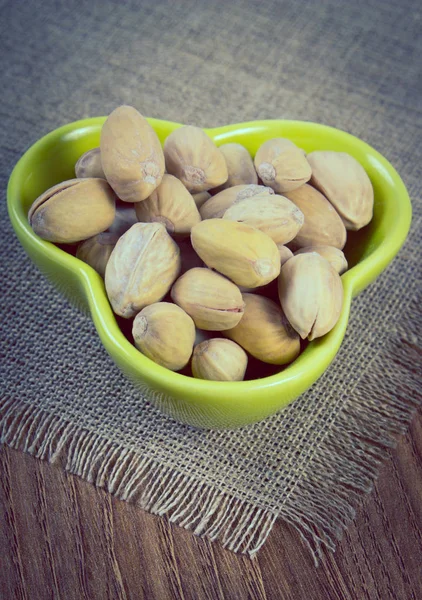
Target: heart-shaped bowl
<point>210,404</point>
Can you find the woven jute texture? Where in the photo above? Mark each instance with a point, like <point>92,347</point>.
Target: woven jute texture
<point>351,65</point>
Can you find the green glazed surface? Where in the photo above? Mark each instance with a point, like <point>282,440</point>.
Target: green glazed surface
<point>206,403</point>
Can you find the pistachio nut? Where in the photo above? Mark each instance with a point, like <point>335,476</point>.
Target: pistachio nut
<point>89,165</point>
<point>240,166</point>
<point>213,302</point>
<point>131,154</point>
<point>274,215</point>
<point>96,251</point>
<point>265,332</point>
<point>73,210</point>
<point>244,254</point>
<point>323,225</point>
<point>345,183</point>
<point>170,204</point>
<point>285,253</point>
<point>165,333</point>
<point>141,269</point>
<point>311,294</point>
<point>219,359</point>
<point>282,165</point>
<point>194,158</point>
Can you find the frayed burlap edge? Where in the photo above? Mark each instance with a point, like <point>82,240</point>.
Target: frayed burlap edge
<point>159,489</point>
<point>320,506</point>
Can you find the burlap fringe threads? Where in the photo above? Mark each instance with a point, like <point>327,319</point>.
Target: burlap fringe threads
<point>156,488</point>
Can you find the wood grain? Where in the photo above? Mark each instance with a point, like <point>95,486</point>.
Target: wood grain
<point>60,537</point>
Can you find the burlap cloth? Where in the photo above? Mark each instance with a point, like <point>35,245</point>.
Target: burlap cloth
<point>350,65</point>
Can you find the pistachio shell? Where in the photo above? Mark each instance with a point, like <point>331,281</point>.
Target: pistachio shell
<point>141,269</point>
<point>274,215</point>
<point>73,210</point>
<point>270,289</point>
<point>240,166</point>
<point>285,253</point>
<point>334,256</point>
<point>131,154</point>
<point>217,205</point>
<point>282,165</point>
<point>213,302</point>
<point>346,185</point>
<point>193,158</point>
<point>96,251</point>
<point>165,333</point>
<point>244,254</point>
<point>200,198</point>
<point>170,204</point>
<point>323,225</point>
<point>219,359</point>
<point>264,332</point>
<point>89,165</point>
<point>311,294</point>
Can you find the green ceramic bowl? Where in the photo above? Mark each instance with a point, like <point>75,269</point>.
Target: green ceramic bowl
<point>200,403</point>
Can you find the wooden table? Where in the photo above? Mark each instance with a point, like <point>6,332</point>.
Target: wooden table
<point>60,537</point>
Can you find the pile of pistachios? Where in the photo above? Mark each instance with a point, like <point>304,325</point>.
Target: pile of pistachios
<point>215,256</point>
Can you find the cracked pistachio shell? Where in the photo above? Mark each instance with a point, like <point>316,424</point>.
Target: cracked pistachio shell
<point>89,165</point>
<point>73,210</point>
<point>334,256</point>
<point>345,184</point>
<point>311,294</point>
<point>240,166</point>
<point>141,269</point>
<point>131,154</point>
<point>219,359</point>
<point>165,334</point>
<point>170,204</point>
<point>96,251</point>
<point>242,253</point>
<point>274,215</point>
<point>193,157</point>
<point>213,302</point>
<point>200,198</point>
<point>217,205</point>
<point>323,225</point>
<point>282,165</point>
<point>264,332</point>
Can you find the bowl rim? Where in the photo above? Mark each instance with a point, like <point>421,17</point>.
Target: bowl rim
<point>354,280</point>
